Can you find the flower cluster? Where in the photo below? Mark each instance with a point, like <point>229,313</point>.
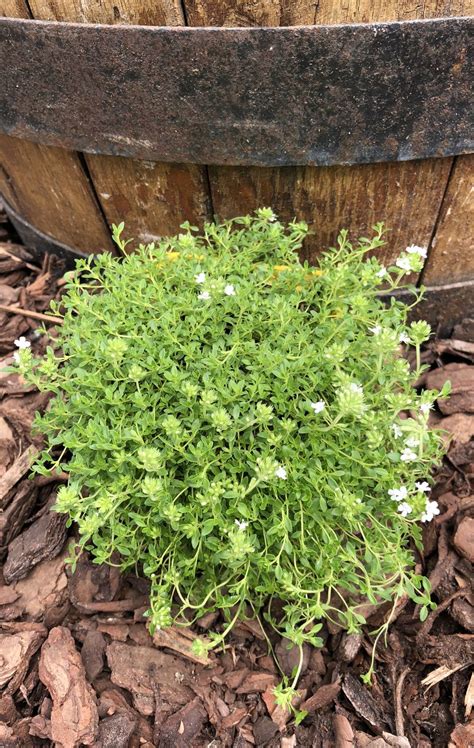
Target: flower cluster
<point>237,424</point>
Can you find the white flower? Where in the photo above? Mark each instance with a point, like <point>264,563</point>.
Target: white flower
<point>22,342</point>
<point>404,338</point>
<point>318,407</point>
<point>241,524</point>
<point>404,508</point>
<point>376,330</point>
<point>356,388</point>
<point>397,430</point>
<point>432,509</point>
<point>408,455</point>
<point>200,278</point>
<point>204,295</point>
<point>381,273</point>
<point>404,263</point>
<point>280,472</point>
<point>423,487</point>
<point>412,441</point>
<point>425,408</point>
<point>414,250</point>
<point>229,290</point>
<point>398,494</point>
<point>17,357</point>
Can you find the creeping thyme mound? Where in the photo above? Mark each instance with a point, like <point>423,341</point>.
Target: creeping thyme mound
<point>234,423</point>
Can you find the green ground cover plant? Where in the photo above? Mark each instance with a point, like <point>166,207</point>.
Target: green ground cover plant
<point>234,424</point>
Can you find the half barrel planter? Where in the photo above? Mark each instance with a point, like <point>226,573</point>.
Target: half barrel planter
<point>340,125</point>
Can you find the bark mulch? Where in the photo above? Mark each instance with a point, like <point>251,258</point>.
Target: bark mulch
<point>78,666</point>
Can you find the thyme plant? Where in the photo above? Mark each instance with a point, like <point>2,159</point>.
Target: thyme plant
<point>234,424</point>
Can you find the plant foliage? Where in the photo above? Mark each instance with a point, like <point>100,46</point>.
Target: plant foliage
<point>234,423</point>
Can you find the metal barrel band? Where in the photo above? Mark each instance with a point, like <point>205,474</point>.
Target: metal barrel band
<point>318,95</point>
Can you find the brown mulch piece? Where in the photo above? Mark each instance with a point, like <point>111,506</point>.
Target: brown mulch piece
<point>79,667</point>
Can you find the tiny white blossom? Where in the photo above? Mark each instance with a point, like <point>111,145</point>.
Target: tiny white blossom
<point>424,487</point>
<point>425,408</point>
<point>204,295</point>
<point>16,357</point>
<point>280,472</point>
<point>241,524</point>
<point>356,388</point>
<point>318,407</point>
<point>404,509</point>
<point>403,263</point>
<point>414,250</point>
<point>376,330</point>
<point>200,278</point>
<point>397,430</point>
<point>432,509</point>
<point>408,455</point>
<point>412,442</point>
<point>382,272</point>
<point>22,342</point>
<point>229,290</point>
<point>398,494</point>
<point>404,338</point>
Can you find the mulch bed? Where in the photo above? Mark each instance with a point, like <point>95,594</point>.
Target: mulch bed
<point>78,666</point>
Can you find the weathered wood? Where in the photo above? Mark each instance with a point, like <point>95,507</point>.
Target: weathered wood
<point>452,254</point>
<point>406,196</point>
<point>366,11</point>
<point>49,188</point>
<point>13,9</point>
<point>152,198</point>
<point>308,12</point>
<point>130,12</point>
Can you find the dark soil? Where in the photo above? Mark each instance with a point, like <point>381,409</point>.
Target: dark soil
<point>78,666</point>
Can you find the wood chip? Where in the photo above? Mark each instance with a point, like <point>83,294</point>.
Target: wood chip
<point>322,697</point>
<point>180,640</point>
<point>461,376</point>
<point>16,651</point>
<point>137,669</point>
<point>17,471</point>
<point>182,728</point>
<point>469,697</point>
<point>363,702</point>
<point>44,539</point>
<point>74,717</point>
<point>342,732</point>
<point>464,538</point>
<point>43,589</point>
<point>257,683</point>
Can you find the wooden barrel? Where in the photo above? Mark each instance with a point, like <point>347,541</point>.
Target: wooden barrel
<point>356,114</point>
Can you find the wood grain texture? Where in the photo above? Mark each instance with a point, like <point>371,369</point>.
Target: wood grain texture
<point>407,196</point>
<point>132,12</point>
<point>13,9</point>
<point>452,253</point>
<point>152,198</point>
<point>48,188</point>
<point>308,12</point>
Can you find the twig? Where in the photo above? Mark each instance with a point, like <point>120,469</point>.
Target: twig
<point>29,313</point>
<point>428,624</point>
<point>114,606</point>
<point>398,704</point>
<point>45,480</point>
